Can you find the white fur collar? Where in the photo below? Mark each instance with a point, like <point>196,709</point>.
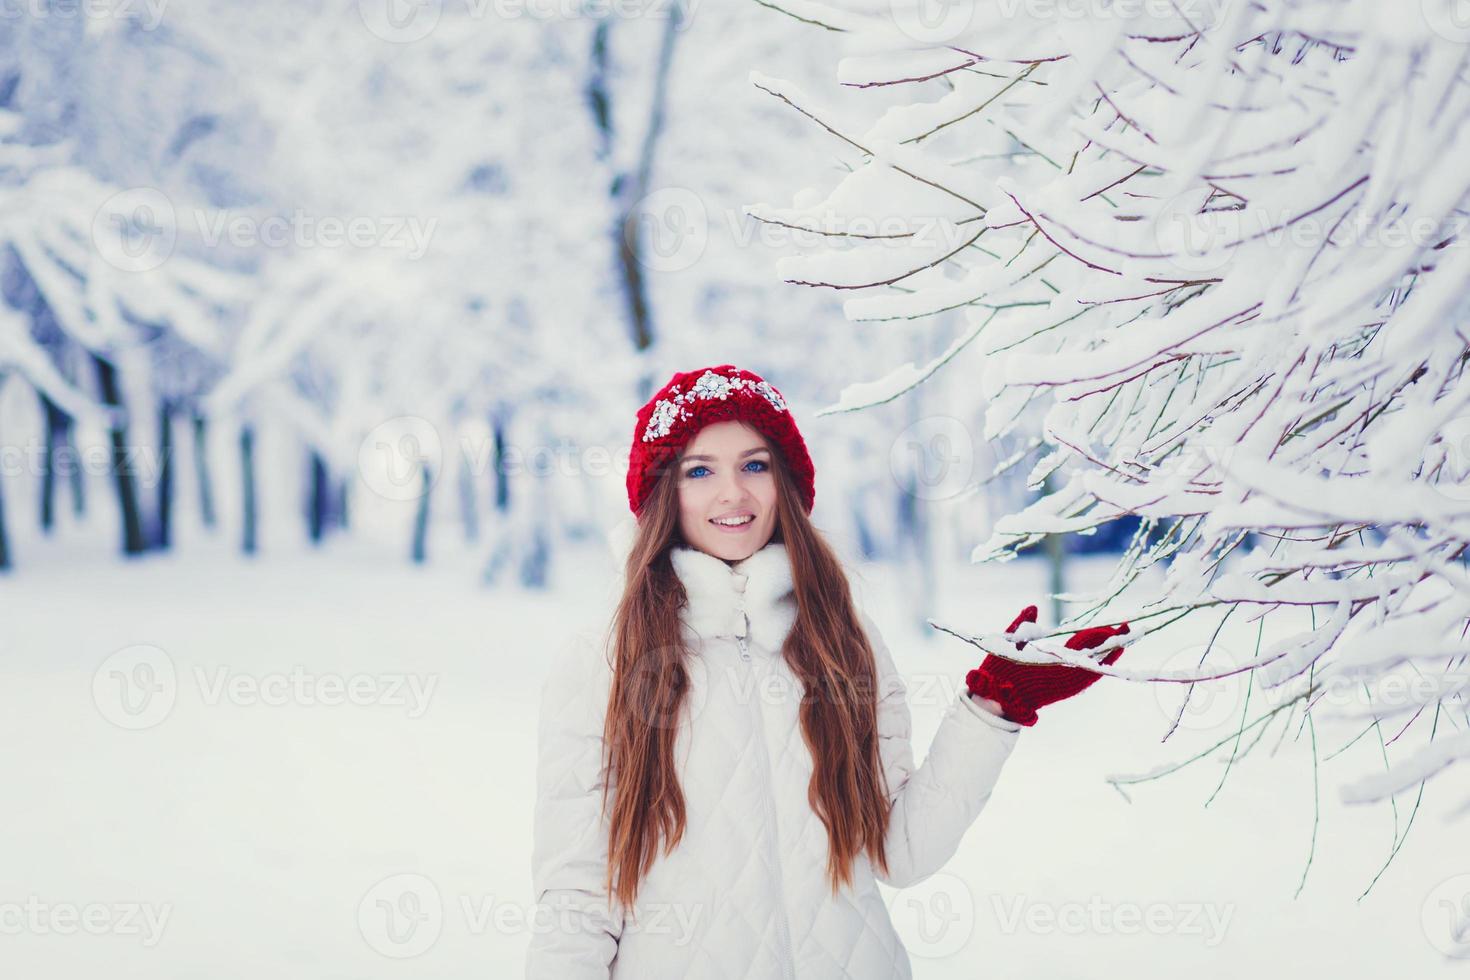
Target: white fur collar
<point>759,587</point>
<point>722,596</point>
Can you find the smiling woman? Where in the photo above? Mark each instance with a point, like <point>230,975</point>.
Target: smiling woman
<point>727,492</point>
<point>665,783</point>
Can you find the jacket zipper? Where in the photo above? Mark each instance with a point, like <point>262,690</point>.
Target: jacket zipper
<point>783,924</point>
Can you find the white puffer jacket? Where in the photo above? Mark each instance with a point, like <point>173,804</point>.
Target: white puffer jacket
<point>745,893</point>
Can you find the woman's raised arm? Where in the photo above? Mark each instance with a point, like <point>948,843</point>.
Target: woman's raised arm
<point>935,803</point>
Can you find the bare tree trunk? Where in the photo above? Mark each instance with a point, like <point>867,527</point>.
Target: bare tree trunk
<point>421,518</point>
<point>868,546</point>
<point>319,498</point>
<point>469,507</point>
<point>502,481</point>
<point>4,536</point>
<point>134,542</point>
<point>533,537</point>
<point>77,480</point>
<point>914,509</point>
<point>1056,560</point>
<point>629,189</point>
<point>248,541</point>
<point>201,472</point>
<point>57,424</point>
<point>164,533</point>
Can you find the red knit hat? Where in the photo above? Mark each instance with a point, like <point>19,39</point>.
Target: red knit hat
<point>693,399</point>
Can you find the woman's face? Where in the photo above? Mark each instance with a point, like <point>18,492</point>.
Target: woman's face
<point>725,472</point>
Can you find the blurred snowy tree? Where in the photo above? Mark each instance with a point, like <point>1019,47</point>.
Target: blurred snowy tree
<point>364,262</point>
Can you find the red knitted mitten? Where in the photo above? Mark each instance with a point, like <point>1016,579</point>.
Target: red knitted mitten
<point>1021,688</point>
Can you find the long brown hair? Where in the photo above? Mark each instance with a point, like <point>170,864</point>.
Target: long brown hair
<point>826,649</point>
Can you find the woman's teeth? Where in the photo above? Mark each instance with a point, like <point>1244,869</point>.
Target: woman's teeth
<point>732,522</point>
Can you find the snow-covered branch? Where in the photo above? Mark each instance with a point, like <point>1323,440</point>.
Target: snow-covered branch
<point>1226,248</point>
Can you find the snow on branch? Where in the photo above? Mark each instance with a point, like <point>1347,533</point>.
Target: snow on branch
<point>1226,245</point>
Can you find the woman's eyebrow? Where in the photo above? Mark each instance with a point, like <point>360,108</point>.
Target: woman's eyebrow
<point>748,452</point>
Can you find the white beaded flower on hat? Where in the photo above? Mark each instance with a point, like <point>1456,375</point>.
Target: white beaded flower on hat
<point>709,385</point>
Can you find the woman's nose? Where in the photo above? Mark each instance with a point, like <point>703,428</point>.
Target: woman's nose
<point>730,489</point>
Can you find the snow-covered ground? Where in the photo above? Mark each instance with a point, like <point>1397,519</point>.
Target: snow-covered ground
<point>321,765</point>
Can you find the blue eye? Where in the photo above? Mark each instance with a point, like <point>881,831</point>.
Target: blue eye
<point>763,466</point>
